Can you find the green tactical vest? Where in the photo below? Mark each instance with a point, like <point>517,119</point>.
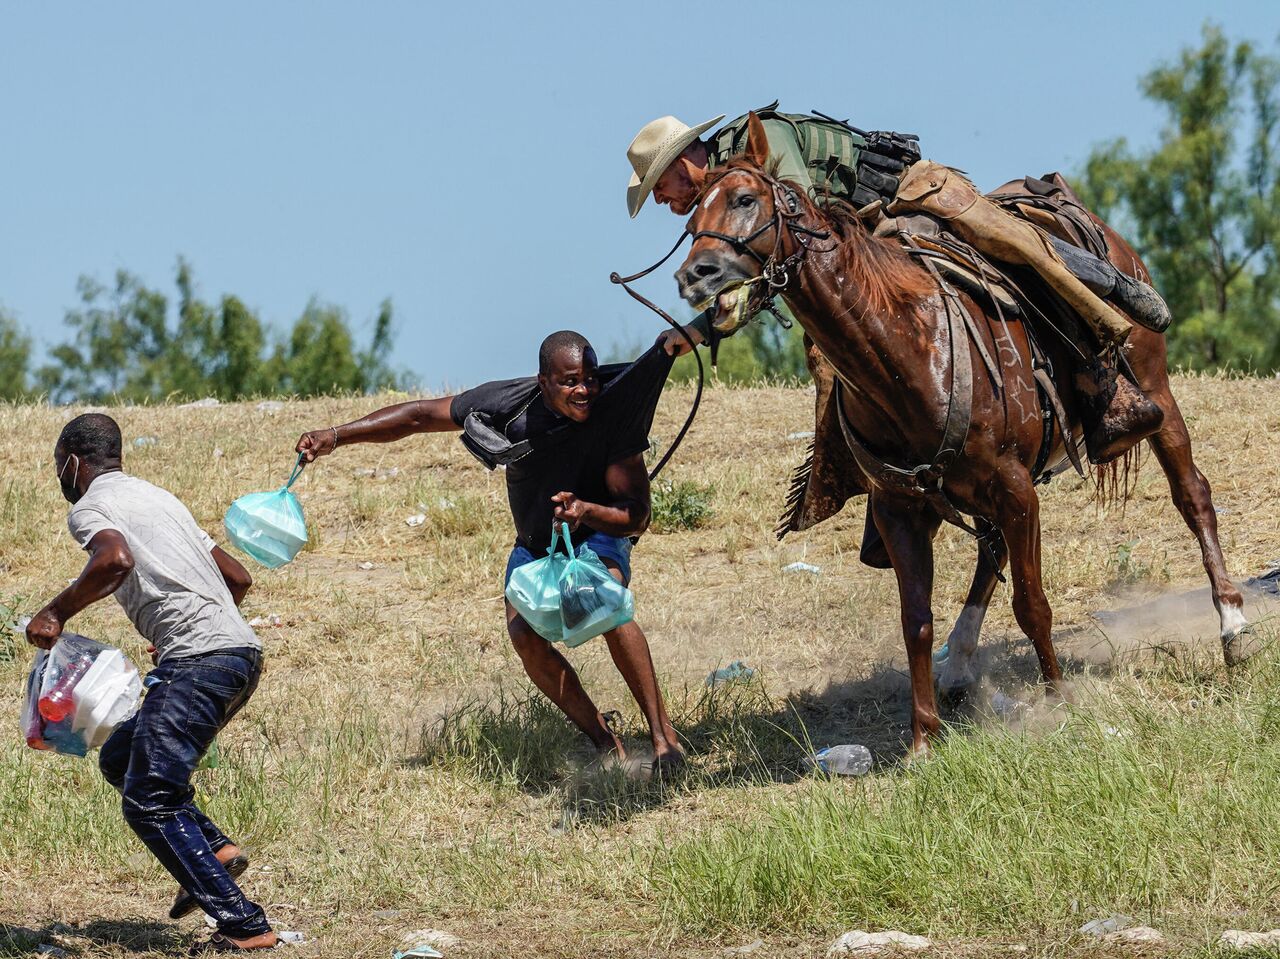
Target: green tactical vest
<point>830,152</point>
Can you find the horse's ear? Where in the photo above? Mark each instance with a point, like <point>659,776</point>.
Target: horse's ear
<point>697,174</point>
<point>757,150</point>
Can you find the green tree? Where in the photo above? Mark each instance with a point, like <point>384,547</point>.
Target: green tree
<point>1203,205</point>
<point>126,347</point>
<point>320,356</point>
<point>120,343</point>
<point>15,354</point>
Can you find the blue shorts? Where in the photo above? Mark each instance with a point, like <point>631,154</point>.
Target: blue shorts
<point>615,548</point>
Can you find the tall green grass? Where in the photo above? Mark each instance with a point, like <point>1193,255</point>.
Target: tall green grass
<point>1160,794</point>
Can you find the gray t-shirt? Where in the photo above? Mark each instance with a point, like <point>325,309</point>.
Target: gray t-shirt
<point>175,595</point>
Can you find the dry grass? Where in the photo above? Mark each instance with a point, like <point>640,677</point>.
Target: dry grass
<point>393,759</point>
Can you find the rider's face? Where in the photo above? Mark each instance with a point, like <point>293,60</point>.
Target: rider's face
<point>677,186</point>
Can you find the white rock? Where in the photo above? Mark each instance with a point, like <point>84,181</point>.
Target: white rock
<point>265,622</point>
<point>291,938</point>
<point>859,943</point>
<point>1238,939</point>
<point>803,435</point>
<point>366,566</point>
<point>417,519</point>
<point>1136,934</point>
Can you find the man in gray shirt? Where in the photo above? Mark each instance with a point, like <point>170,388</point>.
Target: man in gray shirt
<point>182,593</point>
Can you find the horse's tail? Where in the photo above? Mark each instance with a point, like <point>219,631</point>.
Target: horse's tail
<point>1114,482</point>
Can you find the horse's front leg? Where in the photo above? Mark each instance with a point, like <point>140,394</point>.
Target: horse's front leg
<point>908,527</point>
<point>1019,518</point>
<point>959,672</point>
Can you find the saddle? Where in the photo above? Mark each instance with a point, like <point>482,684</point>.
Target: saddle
<point>829,477</point>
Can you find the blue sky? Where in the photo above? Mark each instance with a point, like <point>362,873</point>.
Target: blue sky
<point>468,160</point>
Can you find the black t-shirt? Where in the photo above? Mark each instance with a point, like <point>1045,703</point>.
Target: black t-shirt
<point>574,458</point>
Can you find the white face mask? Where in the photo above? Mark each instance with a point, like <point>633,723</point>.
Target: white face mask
<point>70,491</point>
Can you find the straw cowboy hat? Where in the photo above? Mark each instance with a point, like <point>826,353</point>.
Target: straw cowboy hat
<point>653,150</point>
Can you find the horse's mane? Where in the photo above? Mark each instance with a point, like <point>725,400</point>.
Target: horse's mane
<point>881,272</point>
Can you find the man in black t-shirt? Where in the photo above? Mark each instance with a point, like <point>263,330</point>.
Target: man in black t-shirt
<point>584,467</point>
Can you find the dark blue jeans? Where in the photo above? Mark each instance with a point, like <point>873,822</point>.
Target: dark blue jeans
<point>150,759</point>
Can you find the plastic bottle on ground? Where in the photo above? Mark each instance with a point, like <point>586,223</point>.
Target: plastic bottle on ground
<point>736,671</point>
<point>850,759</point>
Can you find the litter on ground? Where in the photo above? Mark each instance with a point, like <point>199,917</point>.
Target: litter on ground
<point>736,672</point>
<point>802,568</point>
<point>1103,927</point>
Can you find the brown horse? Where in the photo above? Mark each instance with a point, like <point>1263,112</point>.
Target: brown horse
<point>884,324</point>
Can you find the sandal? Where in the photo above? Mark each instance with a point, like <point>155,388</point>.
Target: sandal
<point>220,943</point>
<point>185,903</point>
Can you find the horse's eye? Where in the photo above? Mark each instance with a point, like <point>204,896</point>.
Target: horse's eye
<point>746,200</point>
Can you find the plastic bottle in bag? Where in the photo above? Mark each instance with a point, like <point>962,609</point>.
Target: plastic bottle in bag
<point>32,722</point>
<point>55,702</point>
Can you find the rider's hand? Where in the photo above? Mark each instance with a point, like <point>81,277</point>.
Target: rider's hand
<point>676,345</point>
<point>316,443</point>
<point>569,510</point>
<point>45,628</point>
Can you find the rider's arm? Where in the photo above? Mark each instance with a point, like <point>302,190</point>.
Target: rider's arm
<point>386,425</point>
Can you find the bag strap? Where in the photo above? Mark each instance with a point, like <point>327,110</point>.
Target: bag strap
<point>297,471</point>
<point>558,537</point>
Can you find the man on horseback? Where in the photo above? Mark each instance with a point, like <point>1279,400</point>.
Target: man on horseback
<point>882,176</point>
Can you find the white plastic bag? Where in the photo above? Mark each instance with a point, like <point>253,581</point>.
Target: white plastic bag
<point>77,694</point>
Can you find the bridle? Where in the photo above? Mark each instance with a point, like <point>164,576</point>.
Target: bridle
<point>776,270</point>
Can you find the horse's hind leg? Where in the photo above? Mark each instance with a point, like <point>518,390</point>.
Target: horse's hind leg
<point>959,672</point>
<point>1191,494</point>
<point>1019,517</point>
<point>908,529</point>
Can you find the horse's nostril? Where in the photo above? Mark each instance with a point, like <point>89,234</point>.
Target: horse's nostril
<point>704,270</point>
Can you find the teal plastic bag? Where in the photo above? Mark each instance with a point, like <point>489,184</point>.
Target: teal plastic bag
<point>592,602</point>
<point>534,589</point>
<point>269,526</point>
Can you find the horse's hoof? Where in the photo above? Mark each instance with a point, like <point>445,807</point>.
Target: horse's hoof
<point>954,695</point>
<point>1240,646</point>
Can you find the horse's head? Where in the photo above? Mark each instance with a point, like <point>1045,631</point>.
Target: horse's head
<point>738,237</point>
